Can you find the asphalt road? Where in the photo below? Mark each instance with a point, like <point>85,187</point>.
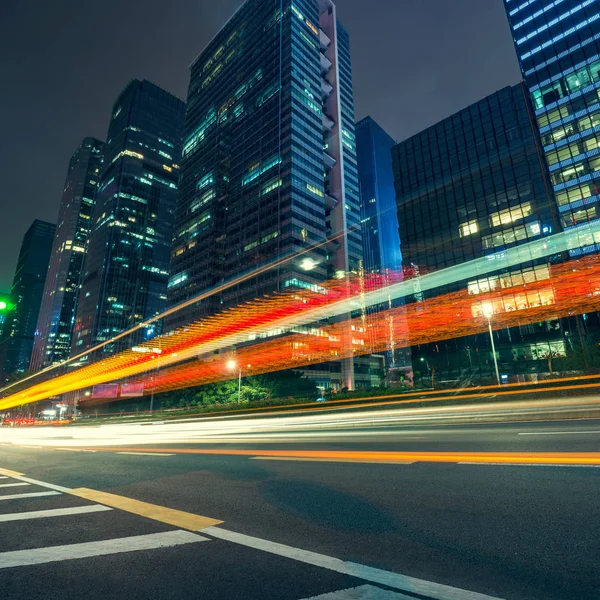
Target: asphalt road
<point>404,527</point>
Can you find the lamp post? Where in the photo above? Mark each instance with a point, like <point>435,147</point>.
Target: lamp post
<point>232,365</point>
<point>157,352</point>
<point>431,373</point>
<point>488,312</point>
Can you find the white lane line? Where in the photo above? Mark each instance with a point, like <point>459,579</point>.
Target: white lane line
<point>558,432</point>
<point>498,464</point>
<point>57,512</point>
<point>38,556</point>
<point>364,592</point>
<point>5,485</point>
<point>74,450</point>
<point>145,454</point>
<point>50,486</point>
<point>394,580</point>
<point>3,477</point>
<point>32,495</point>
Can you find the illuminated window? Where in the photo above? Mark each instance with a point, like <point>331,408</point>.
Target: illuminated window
<point>469,228</point>
<point>178,279</point>
<point>315,190</point>
<point>510,215</point>
<point>256,170</point>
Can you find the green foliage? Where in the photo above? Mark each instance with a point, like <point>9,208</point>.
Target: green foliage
<point>258,388</point>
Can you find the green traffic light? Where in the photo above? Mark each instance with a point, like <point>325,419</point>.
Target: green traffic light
<point>3,305</point>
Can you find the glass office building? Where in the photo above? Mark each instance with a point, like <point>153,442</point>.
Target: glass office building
<point>381,241</point>
<point>127,261</point>
<point>26,297</point>
<point>470,186</point>
<point>269,159</point>
<point>558,47</point>
<point>52,342</point>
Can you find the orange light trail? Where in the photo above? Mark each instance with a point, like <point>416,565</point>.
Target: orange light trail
<point>444,317</point>
<point>573,288</point>
<point>508,458</point>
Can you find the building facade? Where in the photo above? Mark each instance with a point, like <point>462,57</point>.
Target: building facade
<point>269,161</point>
<point>379,217</point>
<point>379,221</point>
<point>558,47</point>
<point>127,261</point>
<point>470,186</point>
<point>53,336</point>
<point>26,297</point>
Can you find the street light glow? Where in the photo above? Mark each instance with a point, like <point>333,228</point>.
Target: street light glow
<point>308,264</point>
<point>488,310</point>
<point>231,365</point>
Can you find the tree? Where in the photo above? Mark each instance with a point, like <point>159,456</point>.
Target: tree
<point>254,389</point>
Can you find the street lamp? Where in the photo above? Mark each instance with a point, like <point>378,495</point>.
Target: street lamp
<point>488,312</point>
<point>157,352</point>
<point>232,365</point>
<point>431,372</point>
<point>308,264</point>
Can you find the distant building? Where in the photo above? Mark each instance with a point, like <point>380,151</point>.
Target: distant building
<point>381,241</point>
<point>469,186</point>
<point>558,47</point>
<point>379,218</point>
<point>269,162</point>
<point>126,266</point>
<point>52,342</point>
<point>26,298</point>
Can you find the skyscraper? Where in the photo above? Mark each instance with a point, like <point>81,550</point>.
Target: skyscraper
<point>470,186</point>
<point>52,342</point>
<point>558,47</point>
<point>26,297</point>
<point>269,159</point>
<point>381,241</point>
<point>126,266</point>
<point>379,219</point>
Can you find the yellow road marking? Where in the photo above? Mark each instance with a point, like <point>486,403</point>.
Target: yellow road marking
<point>337,460</point>
<point>177,518</point>
<point>144,453</point>
<point>10,473</point>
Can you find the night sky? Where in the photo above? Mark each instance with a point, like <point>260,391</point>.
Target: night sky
<point>63,63</point>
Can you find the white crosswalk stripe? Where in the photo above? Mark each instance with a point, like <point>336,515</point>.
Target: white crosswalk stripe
<point>29,495</point>
<point>56,512</point>
<point>38,556</point>
<point>364,592</point>
<point>78,550</point>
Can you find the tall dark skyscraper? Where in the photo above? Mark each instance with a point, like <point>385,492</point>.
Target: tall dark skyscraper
<point>470,186</point>
<point>558,46</point>
<point>57,315</point>
<point>26,297</point>
<point>269,159</point>
<point>381,241</point>
<point>126,266</point>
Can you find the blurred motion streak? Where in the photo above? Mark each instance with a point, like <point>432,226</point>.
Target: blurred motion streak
<point>292,325</point>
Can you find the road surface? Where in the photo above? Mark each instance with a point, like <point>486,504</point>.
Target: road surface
<point>331,510</point>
